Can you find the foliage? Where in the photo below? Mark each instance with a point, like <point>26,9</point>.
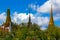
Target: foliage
<point>22,32</point>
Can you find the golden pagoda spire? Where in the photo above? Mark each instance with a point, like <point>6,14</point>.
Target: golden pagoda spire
<point>51,22</point>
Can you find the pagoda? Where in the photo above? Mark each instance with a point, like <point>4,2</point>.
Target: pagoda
<point>29,22</point>
<point>7,25</point>
<point>51,22</point>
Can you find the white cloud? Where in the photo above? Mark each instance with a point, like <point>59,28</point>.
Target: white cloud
<point>2,17</point>
<point>43,28</point>
<point>34,7</point>
<point>43,8</point>
<point>47,5</point>
<point>23,17</point>
<point>41,20</point>
<point>19,17</point>
<point>57,17</point>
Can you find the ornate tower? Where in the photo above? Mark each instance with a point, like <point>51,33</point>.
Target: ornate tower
<point>51,22</point>
<point>7,25</point>
<point>8,18</point>
<point>29,21</point>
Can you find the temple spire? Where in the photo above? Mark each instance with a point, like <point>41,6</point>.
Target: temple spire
<point>29,21</point>
<point>51,22</point>
<point>8,18</point>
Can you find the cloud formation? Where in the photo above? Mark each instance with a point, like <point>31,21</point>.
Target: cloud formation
<point>2,17</point>
<point>23,17</point>
<point>47,6</point>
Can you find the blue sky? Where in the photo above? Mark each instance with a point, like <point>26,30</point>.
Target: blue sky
<point>39,9</point>
<point>18,5</point>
